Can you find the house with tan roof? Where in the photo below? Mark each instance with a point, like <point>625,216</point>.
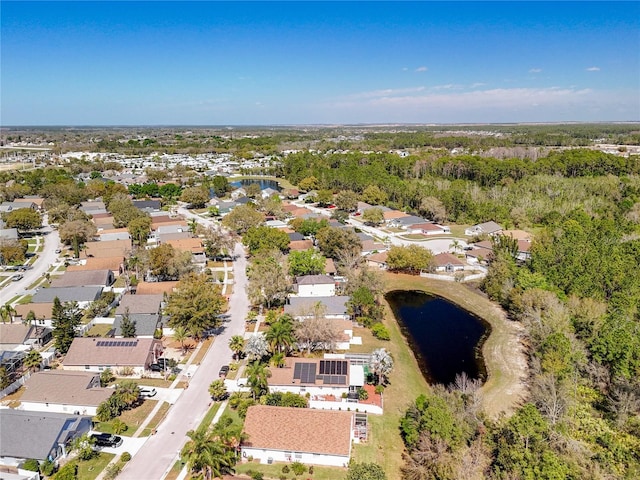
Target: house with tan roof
<point>298,245</point>
<point>488,228</point>
<point>115,264</point>
<point>21,336</point>
<point>95,354</point>
<point>42,312</point>
<point>112,248</point>
<point>377,260</point>
<point>447,262</point>
<point>155,288</point>
<point>64,391</point>
<point>285,434</point>
<point>390,215</point>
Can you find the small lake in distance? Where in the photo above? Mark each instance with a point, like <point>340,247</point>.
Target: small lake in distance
<point>263,183</point>
<point>445,339</point>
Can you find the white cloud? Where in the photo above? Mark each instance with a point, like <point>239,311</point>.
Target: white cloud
<point>519,104</point>
<point>593,69</point>
<point>421,69</point>
<point>535,70</point>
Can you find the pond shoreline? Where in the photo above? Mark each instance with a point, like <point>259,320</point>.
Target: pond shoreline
<point>503,351</point>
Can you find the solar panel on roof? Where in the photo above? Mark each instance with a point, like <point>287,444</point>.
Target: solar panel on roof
<point>99,343</point>
<point>297,368</point>
<point>333,367</point>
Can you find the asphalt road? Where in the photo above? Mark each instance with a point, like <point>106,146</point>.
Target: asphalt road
<point>160,451</point>
<point>46,258</point>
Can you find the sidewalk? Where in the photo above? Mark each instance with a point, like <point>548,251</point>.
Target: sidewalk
<point>156,409</point>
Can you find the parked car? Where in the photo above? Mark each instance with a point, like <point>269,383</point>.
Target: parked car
<point>107,440</point>
<point>224,370</point>
<point>165,362</point>
<point>148,392</point>
<point>16,277</point>
<point>154,367</point>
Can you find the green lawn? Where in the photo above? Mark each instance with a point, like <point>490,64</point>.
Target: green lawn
<point>99,330</point>
<point>132,418</point>
<point>90,469</point>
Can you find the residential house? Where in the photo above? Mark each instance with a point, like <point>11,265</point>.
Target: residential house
<point>155,288</point>
<point>38,435</point>
<point>83,295</point>
<point>64,391</point>
<point>122,356</point>
<point>406,222</point>
<point>116,264</point>
<point>146,324</point>
<point>391,215</point>
<point>314,286</point>
<point>31,199</point>
<point>329,307</point>
<point>447,262</point>
<point>140,304</point>
<point>113,248</point>
<point>42,312</point>
<point>330,267</point>
<point>88,278</point>
<point>21,336</point>
<point>377,260</point>
<point>298,245</point>
<point>429,228</point>
<point>286,434</point>
<point>113,235</point>
<point>8,234</point>
<point>7,207</point>
<point>295,236</point>
<point>148,205</point>
<point>488,228</point>
<point>371,246</point>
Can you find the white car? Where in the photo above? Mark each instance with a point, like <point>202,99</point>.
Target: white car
<point>148,392</point>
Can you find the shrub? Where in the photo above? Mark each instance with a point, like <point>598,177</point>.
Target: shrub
<point>126,456</point>
<point>32,465</point>
<point>68,472</point>
<point>362,394</point>
<point>379,389</point>
<point>112,471</point>
<point>286,469</point>
<point>48,468</point>
<point>380,332</point>
<point>310,469</point>
<point>257,476</point>
<point>298,468</point>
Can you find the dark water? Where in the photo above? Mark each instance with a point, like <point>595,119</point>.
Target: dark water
<point>445,339</point>
<point>263,184</point>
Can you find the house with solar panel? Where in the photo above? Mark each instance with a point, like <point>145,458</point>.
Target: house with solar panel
<point>317,377</point>
<point>119,354</point>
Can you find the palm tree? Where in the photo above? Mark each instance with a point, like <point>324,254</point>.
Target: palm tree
<point>277,360</point>
<point>257,374</point>
<point>6,312</point>
<point>207,457</point>
<point>236,344</point>
<point>217,389</point>
<point>129,392</point>
<point>455,244</point>
<point>33,360</point>
<point>381,364</point>
<point>180,334</point>
<point>280,336</point>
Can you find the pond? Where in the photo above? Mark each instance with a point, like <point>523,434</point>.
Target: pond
<point>445,339</point>
<point>263,183</point>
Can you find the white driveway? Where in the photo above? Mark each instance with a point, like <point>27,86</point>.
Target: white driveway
<point>129,444</point>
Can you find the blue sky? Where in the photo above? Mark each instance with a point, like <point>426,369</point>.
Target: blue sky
<point>252,63</point>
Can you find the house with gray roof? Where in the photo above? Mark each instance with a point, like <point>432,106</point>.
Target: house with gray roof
<point>85,278</point>
<point>148,205</point>
<point>6,207</point>
<point>8,234</point>
<point>150,304</point>
<point>488,228</point>
<point>83,295</point>
<point>146,324</point>
<point>406,222</point>
<point>38,435</point>
<point>329,307</point>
